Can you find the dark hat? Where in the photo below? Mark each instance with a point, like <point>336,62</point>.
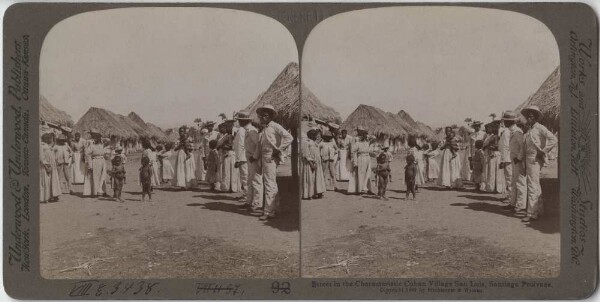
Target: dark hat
<point>476,123</point>
<point>209,123</point>
<point>535,110</point>
<point>267,108</point>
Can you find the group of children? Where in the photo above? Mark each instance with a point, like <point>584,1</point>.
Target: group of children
<point>320,154</point>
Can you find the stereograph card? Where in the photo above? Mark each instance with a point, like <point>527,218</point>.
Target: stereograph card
<point>300,151</point>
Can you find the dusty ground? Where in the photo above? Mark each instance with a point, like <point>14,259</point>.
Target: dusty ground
<point>444,233</point>
<point>186,234</point>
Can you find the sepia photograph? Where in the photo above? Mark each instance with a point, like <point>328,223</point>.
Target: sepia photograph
<point>434,150</point>
<point>168,146</point>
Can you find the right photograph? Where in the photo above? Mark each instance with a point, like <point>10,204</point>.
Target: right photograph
<point>429,145</point>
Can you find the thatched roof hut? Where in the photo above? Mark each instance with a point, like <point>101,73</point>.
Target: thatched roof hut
<point>375,120</point>
<point>106,122</point>
<point>414,127</point>
<point>547,98</point>
<point>49,113</point>
<point>426,130</point>
<point>313,107</point>
<point>150,130</point>
<point>284,95</point>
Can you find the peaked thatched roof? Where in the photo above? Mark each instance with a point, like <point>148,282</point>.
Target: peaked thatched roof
<point>374,120</point>
<point>150,129</point>
<point>284,95</point>
<point>414,126</point>
<point>106,122</point>
<point>49,113</point>
<point>109,123</point>
<point>547,98</point>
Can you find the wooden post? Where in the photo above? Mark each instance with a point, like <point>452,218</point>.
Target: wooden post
<point>294,162</point>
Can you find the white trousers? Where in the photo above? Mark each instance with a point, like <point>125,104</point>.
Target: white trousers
<point>269,170</point>
<point>518,186</point>
<point>254,194</point>
<point>534,190</point>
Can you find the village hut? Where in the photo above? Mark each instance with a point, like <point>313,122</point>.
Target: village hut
<point>141,131</point>
<point>415,129</point>
<point>106,122</point>
<point>547,98</point>
<point>377,122</point>
<point>53,115</point>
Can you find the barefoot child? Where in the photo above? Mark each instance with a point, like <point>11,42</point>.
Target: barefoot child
<point>383,174</point>
<point>146,178</point>
<point>117,173</point>
<point>410,175</point>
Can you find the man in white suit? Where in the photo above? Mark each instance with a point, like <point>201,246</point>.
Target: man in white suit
<point>273,140</point>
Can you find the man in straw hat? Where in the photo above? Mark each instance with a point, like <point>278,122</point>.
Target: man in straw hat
<point>273,140</point>
<point>504,148</point>
<point>254,180</point>
<point>517,182</point>
<point>538,142</point>
<point>239,147</point>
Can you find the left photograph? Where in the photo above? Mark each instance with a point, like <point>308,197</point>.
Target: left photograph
<point>168,146</point>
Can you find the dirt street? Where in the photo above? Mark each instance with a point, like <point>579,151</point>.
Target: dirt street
<point>179,234</point>
<point>444,233</point>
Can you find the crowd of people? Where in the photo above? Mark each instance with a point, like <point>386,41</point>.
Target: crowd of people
<point>240,157</point>
<point>506,158</point>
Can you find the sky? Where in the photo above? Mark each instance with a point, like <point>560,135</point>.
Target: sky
<point>440,64</point>
<point>169,65</point>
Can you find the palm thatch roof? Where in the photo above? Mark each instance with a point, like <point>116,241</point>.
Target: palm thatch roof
<point>547,98</point>
<point>414,127</point>
<point>374,120</point>
<point>49,113</point>
<point>316,109</point>
<point>426,130</point>
<point>106,122</point>
<point>284,95</point>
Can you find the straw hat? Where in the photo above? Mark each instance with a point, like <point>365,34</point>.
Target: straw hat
<point>476,123</point>
<point>210,123</point>
<point>267,108</point>
<point>360,129</point>
<point>243,115</point>
<point>509,116</point>
<point>535,110</point>
<point>95,131</point>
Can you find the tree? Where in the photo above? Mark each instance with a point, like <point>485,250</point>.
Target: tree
<point>223,116</point>
<point>493,115</point>
<point>198,121</point>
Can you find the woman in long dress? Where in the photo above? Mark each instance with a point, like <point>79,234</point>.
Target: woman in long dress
<point>313,181</point>
<point>494,176</point>
<point>343,165</point>
<point>49,180</point>
<point>418,154</point>
<point>230,177</point>
<point>150,153</point>
<point>450,163</point>
<point>200,154</point>
<point>433,167</point>
<point>78,164</point>
<point>360,181</point>
<point>167,167</point>
<point>185,166</point>
<point>95,177</point>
